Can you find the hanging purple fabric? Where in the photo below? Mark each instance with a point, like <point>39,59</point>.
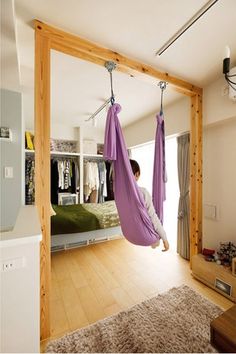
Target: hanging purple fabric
<point>159,171</point>
<point>135,222</point>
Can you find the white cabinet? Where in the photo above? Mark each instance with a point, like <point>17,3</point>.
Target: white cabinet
<point>20,284</point>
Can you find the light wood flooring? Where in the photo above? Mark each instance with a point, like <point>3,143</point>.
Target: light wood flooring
<point>93,282</point>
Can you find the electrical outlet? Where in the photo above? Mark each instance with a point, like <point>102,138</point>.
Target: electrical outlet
<point>6,266</point>
<point>11,264</point>
<point>225,90</point>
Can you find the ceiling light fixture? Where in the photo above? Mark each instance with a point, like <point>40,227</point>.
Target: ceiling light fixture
<point>229,74</point>
<point>187,25</point>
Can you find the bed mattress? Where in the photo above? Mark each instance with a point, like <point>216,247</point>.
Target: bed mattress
<point>83,217</point>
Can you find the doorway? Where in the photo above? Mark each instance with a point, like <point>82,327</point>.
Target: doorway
<point>47,38</point>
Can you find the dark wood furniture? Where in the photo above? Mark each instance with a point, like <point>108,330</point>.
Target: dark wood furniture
<point>223,331</point>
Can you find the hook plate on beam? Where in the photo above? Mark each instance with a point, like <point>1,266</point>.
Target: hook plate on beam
<point>110,66</point>
<point>162,85</point>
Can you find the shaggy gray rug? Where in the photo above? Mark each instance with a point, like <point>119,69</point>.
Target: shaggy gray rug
<point>177,321</point>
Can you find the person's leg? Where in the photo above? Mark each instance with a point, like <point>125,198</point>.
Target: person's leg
<point>156,244</point>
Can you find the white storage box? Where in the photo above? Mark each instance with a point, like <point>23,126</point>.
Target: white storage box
<point>67,199</point>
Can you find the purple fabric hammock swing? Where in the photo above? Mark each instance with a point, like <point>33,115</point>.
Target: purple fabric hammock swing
<point>135,222</point>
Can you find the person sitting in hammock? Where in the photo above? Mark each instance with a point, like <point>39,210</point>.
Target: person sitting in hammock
<point>150,209</point>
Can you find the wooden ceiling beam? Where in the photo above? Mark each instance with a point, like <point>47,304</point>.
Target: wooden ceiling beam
<point>89,51</point>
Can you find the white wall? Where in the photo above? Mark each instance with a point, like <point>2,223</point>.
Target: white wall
<point>11,156</point>
<point>63,131</point>
<point>219,164</point>
<point>219,182</point>
<point>94,133</point>
<point>58,129</point>
<point>66,132</point>
<point>216,107</point>
<point>176,121</point>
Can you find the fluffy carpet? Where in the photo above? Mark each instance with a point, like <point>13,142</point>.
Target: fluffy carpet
<point>177,321</point>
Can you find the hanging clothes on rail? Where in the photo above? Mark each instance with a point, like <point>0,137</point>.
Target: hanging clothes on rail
<point>64,177</point>
<point>102,193</point>
<point>91,181</point>
<point>54,181</point>
<point>95,181</point>
<point>29,181</point>
<point>109,182</point>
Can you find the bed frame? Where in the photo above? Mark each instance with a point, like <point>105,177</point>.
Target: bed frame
<point>67,241</point>
<point>47,38</point>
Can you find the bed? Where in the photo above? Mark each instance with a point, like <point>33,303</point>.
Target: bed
<point>81,224</point>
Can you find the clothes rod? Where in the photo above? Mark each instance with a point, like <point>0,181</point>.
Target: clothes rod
<point>99,109</point>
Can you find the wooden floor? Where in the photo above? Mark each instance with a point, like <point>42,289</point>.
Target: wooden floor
<point>96,281</point>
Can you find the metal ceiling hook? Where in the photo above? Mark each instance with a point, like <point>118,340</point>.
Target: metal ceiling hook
<point>110,66</point>
<point>162,85</point>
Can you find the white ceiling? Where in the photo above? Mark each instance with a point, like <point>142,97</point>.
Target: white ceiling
<point>134,28</point>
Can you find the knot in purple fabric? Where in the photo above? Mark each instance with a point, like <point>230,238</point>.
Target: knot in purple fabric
<point>111,133</point>
<point>159,118</point>
<point>116,108</point>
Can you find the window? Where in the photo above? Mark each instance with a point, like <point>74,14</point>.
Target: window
<point>144,155</point>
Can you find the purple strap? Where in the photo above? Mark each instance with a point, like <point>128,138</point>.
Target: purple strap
<point>135,222</point>
<point>159,171</point>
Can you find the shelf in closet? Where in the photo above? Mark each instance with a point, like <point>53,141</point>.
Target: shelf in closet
<point>55,153</point>
<point>66,153</point>
<point>93,155</point>
<point>29,151</point>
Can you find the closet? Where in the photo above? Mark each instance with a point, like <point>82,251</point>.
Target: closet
<point>76,177</point>
<point>75,187</point>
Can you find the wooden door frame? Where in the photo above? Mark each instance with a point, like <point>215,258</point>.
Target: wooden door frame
<point>47,38</point>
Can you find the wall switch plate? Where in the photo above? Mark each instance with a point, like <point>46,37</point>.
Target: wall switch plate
<point>210,211</point>
<point>8,172</point>
<point>11,264</point>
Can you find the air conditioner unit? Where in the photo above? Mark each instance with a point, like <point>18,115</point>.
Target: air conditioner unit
<point>232,89</point>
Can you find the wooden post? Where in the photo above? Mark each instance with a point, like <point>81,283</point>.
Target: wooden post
<point>196,176</point>
<point>199,173</point>
<point>42,170</point>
